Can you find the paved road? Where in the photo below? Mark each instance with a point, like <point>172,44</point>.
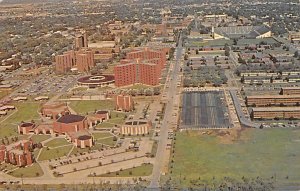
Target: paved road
<point>243,120</point>
<point>163,138</point>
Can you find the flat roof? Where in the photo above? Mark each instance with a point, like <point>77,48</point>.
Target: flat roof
<point>275,109</point>
<point>273,96</point>
<point>70,118</point>
<point>290,88</point>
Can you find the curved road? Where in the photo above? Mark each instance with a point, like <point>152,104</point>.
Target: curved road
<point>243,120</point>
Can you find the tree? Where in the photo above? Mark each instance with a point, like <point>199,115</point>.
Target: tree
<point>156,90</point>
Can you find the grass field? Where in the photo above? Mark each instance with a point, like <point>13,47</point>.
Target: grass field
<point>101,135</point>
<point>80,150</point>
<point>105,125</point>
<point>263,153</point>
<point>27,111</point>
<point>218,42</point>
<point>57,142</point>
<point>30,171</point>
<point>82,107</point>
<point>107,141</point>
<point>54,153</point>
<point>39,138</point>
<point>144,170</point>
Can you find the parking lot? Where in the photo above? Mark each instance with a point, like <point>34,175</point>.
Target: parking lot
<point>204,110</point>
<point>49,84</point>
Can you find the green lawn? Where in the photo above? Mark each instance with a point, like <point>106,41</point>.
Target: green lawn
<point>30,171</point>
<point>82,107</point>
<point>57,142</point>
<point>144,170</point>
<point>54,153</point>
<point>101,135</point>
<point>39,138</point>
<point>26,112</point>
<point>117,118</point>
<point>115,114</point>
<point>79,150</point>
<point>7,166</point>
<point>108,141</point>
<point>263,153</point>
<point>105,125</point>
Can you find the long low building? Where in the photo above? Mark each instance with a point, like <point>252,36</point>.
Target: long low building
<point>136,127</point>
<point>269,100</point>
<point>275,113</point>
<point>290,90</point>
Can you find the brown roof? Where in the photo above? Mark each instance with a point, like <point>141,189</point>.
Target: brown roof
<point>70,118</point>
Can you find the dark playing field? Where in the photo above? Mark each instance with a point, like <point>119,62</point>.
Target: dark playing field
<point>204,110</point>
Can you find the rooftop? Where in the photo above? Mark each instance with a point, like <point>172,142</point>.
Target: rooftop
<point>70,118</point>
<point>275,109</point>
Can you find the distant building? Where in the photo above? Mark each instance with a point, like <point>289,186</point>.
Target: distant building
<point>269,100</point>
<point>26,128</point>
<point>81,61</point>
<point>142,66</point>
<point>17,153</point>
<point>124,103</point>
<point>136,127</point>
<point>275,113</point>
<point>236,32</point>
<point>290,90</point>
<point>55,110</point>
<point>81,41</point>
<point>294,35</point>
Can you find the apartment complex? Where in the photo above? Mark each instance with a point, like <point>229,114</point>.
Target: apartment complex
<point>269,100</point>
<point>275,113</point>
<point>290,90</point>
<point>81,61</point>
<point>141,66</point>
<point>81,41</point>
<point>17,153</point>
<point>124,103</point>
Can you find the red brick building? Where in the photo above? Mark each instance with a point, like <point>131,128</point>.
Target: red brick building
<point>81,40</point>
<point>70,123</point>
<point>81,139</point>
<point>17,153</point>
<point>82,60</point>
<point>26,128</point>
<point>54,111</point>
<point>124,103</point>
<point>141,66</point>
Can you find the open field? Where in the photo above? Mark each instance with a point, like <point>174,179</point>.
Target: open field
<point>144,170</point>
<point>107,141</point>
<point>31,171</point>
<point>82,107</point>
<point>57,142</point>
<point>257,152</point>
<point>27,111</point>
<point>54,153</point>
<point>256,41</point>
<point>101,135</point>
<point>39,138</point>
<point>217,42</point>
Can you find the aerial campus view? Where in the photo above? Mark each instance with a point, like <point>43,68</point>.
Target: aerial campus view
<point>150,95</point>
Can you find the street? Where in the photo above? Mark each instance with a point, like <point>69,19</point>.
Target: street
<point>163,138</point>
